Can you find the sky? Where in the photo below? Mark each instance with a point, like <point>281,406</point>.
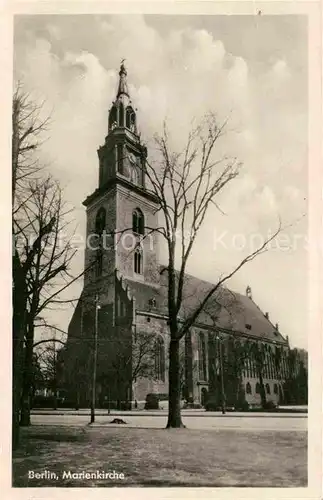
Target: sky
<point>252,69</point>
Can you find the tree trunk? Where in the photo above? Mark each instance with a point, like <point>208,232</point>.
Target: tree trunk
<point>174,409</point>
<point>238,391</point>
<point>55,379</point>
<point>55,398</point>
<point>77,402</point>
<point>17,369</point>
<point>28,380</point>
<point>18,331</point>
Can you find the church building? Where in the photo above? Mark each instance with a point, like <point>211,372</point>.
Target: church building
<point>122,311</point>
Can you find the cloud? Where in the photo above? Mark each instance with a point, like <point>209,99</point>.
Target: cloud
<point>177,74</point>
<point>280,71</point>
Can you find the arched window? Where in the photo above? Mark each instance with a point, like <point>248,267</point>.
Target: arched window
<point>248,367</point>
<point>113,118</point>
<point>267,388</point>
<point>202,357</point>
<point>100,221</point>
<point>254,367</point>
<point>130,119</point>
<point>121,114</point>
<point>160,359</point>
<point>248,388</point>
<point>138,267</point>
<point>204,396</point>
<point>138,221</point>
<point>257,388</point>
<point>275,389</point>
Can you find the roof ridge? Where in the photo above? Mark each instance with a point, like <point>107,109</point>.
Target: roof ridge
<point>229,289</point>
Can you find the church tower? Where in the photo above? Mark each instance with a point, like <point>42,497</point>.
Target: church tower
<point>122,211</point>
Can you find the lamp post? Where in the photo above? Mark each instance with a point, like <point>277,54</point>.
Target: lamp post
<point>221,374</point>
<point>55,371</point>
<point>95,355</point>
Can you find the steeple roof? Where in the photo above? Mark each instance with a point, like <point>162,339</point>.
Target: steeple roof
<point>123,86</point>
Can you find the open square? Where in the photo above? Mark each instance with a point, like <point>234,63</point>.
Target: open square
<point>160,457</point>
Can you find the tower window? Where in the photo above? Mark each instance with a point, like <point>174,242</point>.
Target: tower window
<point>113,118</point>
<point>121,114</point>
<point>267,388</point>
<point>160,359</point>
<point>100,221</point>
<point>130,119</point>
<point>138,221</point>
<point>138,267</point>
<point>248,388</point>
<point>275,389</point>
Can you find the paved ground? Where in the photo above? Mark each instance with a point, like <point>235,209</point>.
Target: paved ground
<point>71,456</point>
<point>243,422</point>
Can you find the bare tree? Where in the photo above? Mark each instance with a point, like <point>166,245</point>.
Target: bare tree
<point>187,185</point>
<point>133,359</point>
<point>49,269</point>
<point>26,129</point>
<point>50,366</point>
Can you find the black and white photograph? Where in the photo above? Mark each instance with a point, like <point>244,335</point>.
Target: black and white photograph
<point>160,250</point>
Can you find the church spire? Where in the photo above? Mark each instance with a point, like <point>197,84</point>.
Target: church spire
<point>122,114</point>
<point>123,86</point>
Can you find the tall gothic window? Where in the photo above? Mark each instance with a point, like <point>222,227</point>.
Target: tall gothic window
<point>138,264</point>
<point>138,221</point>
<point>160,359</point>
<point>202,357</point>
<point>121,114</point>
<point>100,221</point>
<point>248,388</point>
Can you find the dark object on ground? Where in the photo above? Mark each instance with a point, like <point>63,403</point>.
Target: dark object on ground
<point>270,405</point>
<point>212,404</point>
<point>117,421</point>
<point>244,406</point>
<point>152,402</point>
